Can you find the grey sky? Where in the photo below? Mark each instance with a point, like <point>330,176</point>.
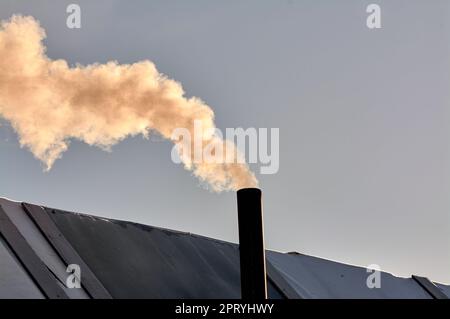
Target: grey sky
<point>363,115</point>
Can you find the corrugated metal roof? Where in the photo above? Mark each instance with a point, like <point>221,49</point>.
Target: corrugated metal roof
<point>131,260</point>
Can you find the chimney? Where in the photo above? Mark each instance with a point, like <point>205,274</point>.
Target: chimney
<point>251,244</point>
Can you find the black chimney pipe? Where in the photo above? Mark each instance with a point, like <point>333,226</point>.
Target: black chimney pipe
<point>251,244</point>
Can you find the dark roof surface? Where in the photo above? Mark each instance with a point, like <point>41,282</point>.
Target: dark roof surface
<point>127,260</point>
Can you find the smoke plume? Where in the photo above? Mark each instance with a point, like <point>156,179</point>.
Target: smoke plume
<point>48,103</point>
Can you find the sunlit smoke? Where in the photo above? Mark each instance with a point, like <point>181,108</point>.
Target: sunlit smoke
<point>48,103</point>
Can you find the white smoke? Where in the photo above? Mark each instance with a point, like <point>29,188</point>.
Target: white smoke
<point>49,103</point>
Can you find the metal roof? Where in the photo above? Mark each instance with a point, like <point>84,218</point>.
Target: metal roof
<point>121,259</point>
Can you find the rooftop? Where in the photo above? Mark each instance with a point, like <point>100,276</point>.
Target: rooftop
<point>120,259</point>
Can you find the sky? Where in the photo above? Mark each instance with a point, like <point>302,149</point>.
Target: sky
<point>364,175</point>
